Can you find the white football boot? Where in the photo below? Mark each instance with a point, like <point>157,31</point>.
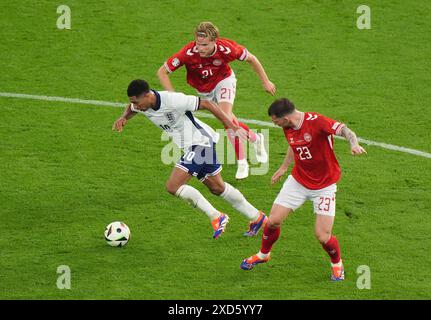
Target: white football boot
<point>259,148</point>
<point>242,171</point>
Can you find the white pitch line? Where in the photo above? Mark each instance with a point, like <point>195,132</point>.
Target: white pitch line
<point>204,115</point>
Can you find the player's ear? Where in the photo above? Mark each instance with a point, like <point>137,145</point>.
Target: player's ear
<point>146,94</point>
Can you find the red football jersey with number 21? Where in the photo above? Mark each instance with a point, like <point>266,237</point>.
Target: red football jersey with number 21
<point>203,74</point>
<point>316,166</point>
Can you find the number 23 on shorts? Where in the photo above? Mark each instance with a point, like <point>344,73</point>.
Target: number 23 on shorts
<point>325,205</point>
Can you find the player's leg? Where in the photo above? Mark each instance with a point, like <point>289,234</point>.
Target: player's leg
<point>258,141</point>
<point>177,186</point>
<point>196,162</point>
<point>254,138</point>
<point>224,96</point>
<point>217,186</point>
<point>210,175</point>
<point>290,197</point>
<point>226,105</point>
<point>324,207</point>
<point>270,235</point>
<point>237,143</point>
<point>272,229</point>
<point>225,92</point>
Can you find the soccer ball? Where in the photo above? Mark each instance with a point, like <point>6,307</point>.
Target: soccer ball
<point>117,234</point>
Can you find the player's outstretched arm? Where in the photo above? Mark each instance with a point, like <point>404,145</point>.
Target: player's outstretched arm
<point>223,117</point>
<point>288,159</point>
<point>353,140</point>
<point>121,121</point>
<point>163,76</point>
<point>258,68</point>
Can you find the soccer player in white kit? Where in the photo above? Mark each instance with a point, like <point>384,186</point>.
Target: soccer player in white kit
<point>172,112</point>
<point>206,60</point>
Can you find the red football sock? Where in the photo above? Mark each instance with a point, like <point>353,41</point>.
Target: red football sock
<point>236,143</point>
<point>268,238</point>
<point>333,249</point>
<point>251,135</point>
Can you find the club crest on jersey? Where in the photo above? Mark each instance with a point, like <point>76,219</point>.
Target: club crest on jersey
<point>176,62</point>
<point>170,117</point>
<point>307,137</point>
<point>217,62</point>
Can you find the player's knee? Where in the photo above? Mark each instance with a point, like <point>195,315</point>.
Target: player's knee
<point>217,189</point>
<point>323,236</point>
<point>171,188</point>
<point>274,222</point>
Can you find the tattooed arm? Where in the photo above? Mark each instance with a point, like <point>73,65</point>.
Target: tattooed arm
<point>353,140</point>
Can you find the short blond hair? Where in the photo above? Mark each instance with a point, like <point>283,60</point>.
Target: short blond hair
<point>207,30</point>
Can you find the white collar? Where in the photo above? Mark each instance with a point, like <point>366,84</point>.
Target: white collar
<point>300,121</point>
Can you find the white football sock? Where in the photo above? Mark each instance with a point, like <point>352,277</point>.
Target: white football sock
<point>262,255</point>
<point>242,161</point>
<point>196,199</point>
<point>339,264</point>
<point>257,138</point>
<point>239,202</point>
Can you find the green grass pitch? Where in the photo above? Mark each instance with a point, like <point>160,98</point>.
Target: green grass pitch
<point>65,175</point>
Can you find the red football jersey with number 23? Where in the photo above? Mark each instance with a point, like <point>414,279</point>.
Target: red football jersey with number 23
<point>316,166</point>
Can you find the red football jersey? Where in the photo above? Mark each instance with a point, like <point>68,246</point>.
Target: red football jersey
<point>203,74</point>
<point>316,166</point>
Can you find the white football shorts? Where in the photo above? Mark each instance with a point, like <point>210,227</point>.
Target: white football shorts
<point>293,194</point>
<point>224,91</point>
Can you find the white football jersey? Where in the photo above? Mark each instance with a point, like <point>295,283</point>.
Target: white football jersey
<point>173,114</point>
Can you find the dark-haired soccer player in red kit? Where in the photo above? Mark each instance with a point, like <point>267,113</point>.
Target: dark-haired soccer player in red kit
<point>207,61</point>
<point>314,177</point>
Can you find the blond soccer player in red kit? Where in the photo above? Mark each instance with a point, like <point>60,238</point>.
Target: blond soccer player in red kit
<point>207,61</point>
<point>313,177</point>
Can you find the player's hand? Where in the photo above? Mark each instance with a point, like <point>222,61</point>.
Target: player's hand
<point>278,174</point>
<point>119,124</point>
<point>269,87</point>
<point>357,150</point>
<point>241,133</point>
